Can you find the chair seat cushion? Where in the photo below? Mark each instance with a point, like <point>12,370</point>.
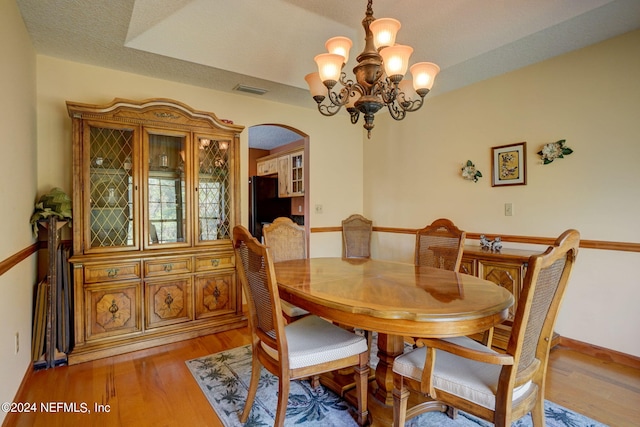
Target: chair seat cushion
<point>313,340</point>
<point>292,310</point>
<point>465,378</point>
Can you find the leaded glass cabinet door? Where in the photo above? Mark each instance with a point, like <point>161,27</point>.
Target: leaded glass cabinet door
<point>110,220</point>
<point>166,196</point>
<point>213,188</point>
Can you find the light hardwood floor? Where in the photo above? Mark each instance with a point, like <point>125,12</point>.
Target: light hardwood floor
<point>154,388</point>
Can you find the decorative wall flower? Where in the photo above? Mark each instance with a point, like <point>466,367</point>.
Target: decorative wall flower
<point>470,172</point>
<point>554,150</point>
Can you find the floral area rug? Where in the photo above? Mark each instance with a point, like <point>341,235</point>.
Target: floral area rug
<point>224,379</point>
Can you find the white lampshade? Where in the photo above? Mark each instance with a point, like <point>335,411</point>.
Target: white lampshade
<point>315,84</point>
<point>329,66</point>
<point>384,32</point>
<point>396,60</point>
<point>424,74</point>
<point>339,46</point>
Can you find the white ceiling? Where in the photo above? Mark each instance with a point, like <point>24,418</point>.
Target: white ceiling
<point>270,44</point>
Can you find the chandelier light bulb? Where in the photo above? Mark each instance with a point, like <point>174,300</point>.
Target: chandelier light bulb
<point>339,46</point>
<point>396,61</point>
<point>424,74</point>
<point>316,87</point>
<point>329,67</point>
<point>384,32</point>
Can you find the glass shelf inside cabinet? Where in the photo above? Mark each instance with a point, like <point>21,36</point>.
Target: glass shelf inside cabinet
<point>166,198</point>
<point>214,189</point>
<point>110,182</point>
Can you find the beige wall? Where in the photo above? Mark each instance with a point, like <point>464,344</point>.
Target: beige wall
<point>591,98</point>
<point>18,175</point>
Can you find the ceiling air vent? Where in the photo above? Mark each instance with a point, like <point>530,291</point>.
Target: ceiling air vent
<point>249,89</point>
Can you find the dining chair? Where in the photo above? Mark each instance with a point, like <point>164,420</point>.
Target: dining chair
<point>356,243</point>
<point>498,387</point>
<point>440,245</point>
<point>287,241</point>
<point>304,348</point>
<point>356,237</point>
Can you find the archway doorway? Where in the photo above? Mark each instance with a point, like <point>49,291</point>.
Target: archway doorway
<point>277,141</point>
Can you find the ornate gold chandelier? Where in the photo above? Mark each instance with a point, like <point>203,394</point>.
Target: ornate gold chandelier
<point>379,75</point>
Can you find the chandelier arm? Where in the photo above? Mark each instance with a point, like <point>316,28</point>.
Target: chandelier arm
<point>343,80</point>
<point>396,111</point>
<point>410,106</point>
<point>340,98</point>
<point>328,109</point>
<point>387,90</point>
<point>355,115</point>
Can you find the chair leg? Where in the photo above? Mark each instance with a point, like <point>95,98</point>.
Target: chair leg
<point>361,377</point>
<point>400,399</point>
<point>537,412</point>
<point>452,412</point>
<point>315,381</point>
<point>487,337</point>
<point>253,388</point>
<point>283,400</point>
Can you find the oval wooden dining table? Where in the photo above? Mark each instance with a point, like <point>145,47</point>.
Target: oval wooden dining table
<point>394,299</point>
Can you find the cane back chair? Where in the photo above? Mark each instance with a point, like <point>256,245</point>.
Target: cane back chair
<point>286,240</point>
<point>356,237</point>
<point>304,348</point>
<point>496,387</point>
<point>440,245</point>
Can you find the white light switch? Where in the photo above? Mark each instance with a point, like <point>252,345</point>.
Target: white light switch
<point>508,209</point>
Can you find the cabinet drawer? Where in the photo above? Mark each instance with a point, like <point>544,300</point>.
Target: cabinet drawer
<point>166,266</point>
<point>113,310</point>
<point>168,302</point>
<point>94,273</point>
<point>215,262</point>
<point>215,294</point>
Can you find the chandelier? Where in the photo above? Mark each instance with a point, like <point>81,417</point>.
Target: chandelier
<point>379,75</point>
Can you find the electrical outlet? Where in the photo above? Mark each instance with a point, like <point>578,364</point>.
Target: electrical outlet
<point>17,342</point>
<point>318,209</point>
<point>508,209</point>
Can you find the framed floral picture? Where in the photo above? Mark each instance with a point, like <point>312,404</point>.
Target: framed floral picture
<point>509,165</point>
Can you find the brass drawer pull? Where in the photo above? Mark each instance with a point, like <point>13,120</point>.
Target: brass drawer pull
<point>113,309</point>
<point>168,267</point>
<point>112,272</point>
<point>215,262</point>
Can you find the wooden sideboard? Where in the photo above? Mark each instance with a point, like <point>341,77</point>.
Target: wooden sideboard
<point>506,268</point>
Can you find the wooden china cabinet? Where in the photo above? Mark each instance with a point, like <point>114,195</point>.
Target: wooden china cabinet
<point>155,198</point>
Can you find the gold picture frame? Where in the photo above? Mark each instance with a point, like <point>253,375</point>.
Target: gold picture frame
<point>509,165</point>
